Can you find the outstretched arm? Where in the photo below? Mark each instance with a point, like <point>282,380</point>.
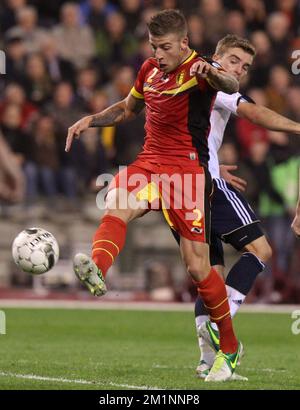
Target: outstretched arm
<point>218,79</point>
<point>260,115</point>
<point>121,111</point>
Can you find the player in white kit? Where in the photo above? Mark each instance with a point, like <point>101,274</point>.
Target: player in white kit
<point>232,219</point>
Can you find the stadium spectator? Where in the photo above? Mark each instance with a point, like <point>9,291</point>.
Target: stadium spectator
<point>57,67</point>
<point>293,98</point>
<point>278,25</point>
<point>94,159</point>
<point>86,83</point>
<point>144,51</point>
<point>124,154</point>
<point>14,94</point>
<point>213,14</point>
<point>278,84</point>
<point>44,163</point>
<point>15,59</point>
<point>141,27</point>
<point>98,101</point>
<point>8,13</point>
<point>63,107</point>
<point>263,59</point>
<point>38,85</point>
<point>27,29</point>
<point>114,43</point>
<point>13,134</point>
<point>131,10</point>
<point>236,23</point>
<point>196,29</point>
<point>95,12</point>
<point>121,84</point>
<point>254,12</point>
<point>247,132</point>
<point>76,43</point>
<point>169,4</point>
<point>12,182</point>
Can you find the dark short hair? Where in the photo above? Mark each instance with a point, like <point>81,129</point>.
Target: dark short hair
<point>166,22</point>
<point>233,41</point>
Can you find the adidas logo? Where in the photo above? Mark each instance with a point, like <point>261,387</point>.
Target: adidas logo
<point>237,302</point>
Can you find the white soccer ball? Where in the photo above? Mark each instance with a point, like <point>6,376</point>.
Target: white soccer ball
<point>35,251</point>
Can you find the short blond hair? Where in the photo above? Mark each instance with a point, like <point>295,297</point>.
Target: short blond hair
<point>233,41</point>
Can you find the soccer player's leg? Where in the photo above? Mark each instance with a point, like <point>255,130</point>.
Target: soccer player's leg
<point>208,338</point>
<point>212,290</point>
<point>122,206</point>
<point>235,223</point>
<point>192,221</point>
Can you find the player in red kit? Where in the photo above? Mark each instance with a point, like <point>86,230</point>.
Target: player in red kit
<point>177,87</point>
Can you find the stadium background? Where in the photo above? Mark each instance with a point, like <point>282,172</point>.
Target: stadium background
<point>64,60</point>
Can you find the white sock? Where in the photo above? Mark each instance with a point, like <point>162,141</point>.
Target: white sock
<point>235,300</point>
<point>207,354</point>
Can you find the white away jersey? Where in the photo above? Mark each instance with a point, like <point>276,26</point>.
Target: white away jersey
<point>224,106</point>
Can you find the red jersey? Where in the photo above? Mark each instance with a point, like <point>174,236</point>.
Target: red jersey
<point>178,108</point>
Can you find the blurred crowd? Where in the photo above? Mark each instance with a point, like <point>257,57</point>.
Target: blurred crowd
<point>68,59</point>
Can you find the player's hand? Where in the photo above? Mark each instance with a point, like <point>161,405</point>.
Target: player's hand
<point>76,129</point>
<point>201,68</point>
<point>296,226</point>
<point>238,183</point>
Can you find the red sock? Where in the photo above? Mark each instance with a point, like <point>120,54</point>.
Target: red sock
<point>108,241</point>
<point>213,292</point>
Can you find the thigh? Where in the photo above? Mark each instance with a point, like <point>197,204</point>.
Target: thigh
<point>129,193</point>
<point>187,206</point>
<point>233,219</point>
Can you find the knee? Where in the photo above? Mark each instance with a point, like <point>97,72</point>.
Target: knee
<point>262,249</point>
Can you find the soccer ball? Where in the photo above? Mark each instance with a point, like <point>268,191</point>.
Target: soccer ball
<point>35,251</point>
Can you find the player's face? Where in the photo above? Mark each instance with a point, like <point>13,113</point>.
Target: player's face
<point>169,50</point>
<point>236,61</point>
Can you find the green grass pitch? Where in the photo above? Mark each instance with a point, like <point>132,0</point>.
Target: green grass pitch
<point>110,349</point>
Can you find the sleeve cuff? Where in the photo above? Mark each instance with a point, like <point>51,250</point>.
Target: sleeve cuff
<point>136,94</point>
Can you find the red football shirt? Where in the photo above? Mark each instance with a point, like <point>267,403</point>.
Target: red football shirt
<point>178,109</point>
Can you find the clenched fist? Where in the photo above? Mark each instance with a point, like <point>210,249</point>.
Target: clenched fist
<point>201,68</point>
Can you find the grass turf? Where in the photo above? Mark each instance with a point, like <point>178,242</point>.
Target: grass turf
<point>121,349</point>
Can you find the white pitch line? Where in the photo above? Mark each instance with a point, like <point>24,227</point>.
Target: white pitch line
<point>75,381</point>
<point>251,369</point>
<point>162,366</point>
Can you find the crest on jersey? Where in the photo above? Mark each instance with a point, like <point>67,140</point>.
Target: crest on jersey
<point>180,78</point>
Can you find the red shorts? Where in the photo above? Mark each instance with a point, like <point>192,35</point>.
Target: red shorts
<point>181,192</point>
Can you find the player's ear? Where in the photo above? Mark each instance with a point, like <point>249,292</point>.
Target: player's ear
<point>184,44</point>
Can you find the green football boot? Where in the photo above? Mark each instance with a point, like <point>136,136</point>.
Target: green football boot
<point>88,273</point>
<point>224,366</point>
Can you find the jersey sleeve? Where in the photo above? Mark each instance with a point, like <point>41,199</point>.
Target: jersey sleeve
<point>230,102</point>
<point>137,89</point>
